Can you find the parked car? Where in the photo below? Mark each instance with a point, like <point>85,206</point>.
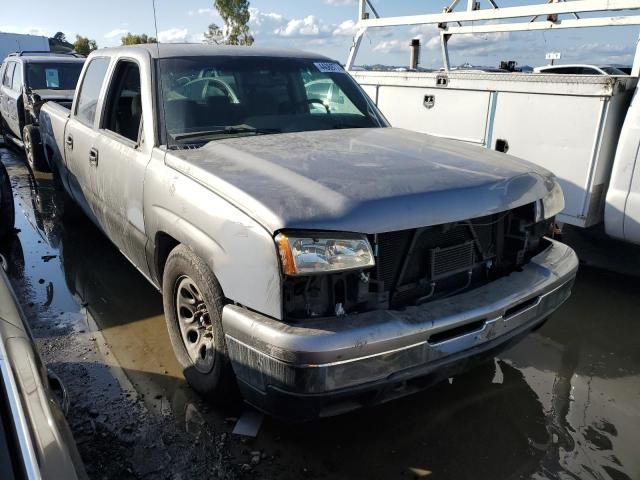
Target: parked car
<point>35,440</point>
<point>580,70</point>
<point>28,79</point>
<point>316,258</point>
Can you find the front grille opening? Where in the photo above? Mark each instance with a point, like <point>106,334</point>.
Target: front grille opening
<point>421,265</point>
<point>520,307</point>
<point>425,264</point>
<point>455,332</point>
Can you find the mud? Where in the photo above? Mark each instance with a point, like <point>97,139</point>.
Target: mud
<point>564,403</point>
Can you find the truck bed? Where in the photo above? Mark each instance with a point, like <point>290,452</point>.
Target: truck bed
<point>569,124</point>
<point>53,120</point>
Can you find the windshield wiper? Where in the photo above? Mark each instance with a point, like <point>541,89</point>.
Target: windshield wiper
<point>338,126</point>
<point>230,130</point>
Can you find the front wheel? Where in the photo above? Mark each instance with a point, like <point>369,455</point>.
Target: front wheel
<point>33,148</point>
<point>193,304</point>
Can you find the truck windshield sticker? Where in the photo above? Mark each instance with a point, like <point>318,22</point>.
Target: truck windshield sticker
<point>329,67</point>
<point>51,74</point>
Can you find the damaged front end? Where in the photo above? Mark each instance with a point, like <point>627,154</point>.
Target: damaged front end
<point>411,267</point>
<point>368,318</point>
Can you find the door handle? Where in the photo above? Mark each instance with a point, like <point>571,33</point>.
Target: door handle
<point>69,142</point>
<point>93,157</point>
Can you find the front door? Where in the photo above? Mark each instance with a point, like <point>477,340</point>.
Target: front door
<point>122,158</point>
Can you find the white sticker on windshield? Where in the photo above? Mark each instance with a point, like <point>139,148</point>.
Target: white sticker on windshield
<point>51,74</point>
<point>329,67</point>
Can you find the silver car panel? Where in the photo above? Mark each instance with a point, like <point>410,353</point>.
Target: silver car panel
<point>46,443</point>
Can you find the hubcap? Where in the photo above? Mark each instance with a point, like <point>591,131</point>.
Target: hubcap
<point>195,324</point>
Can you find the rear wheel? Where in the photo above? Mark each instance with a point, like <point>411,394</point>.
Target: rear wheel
<point>7,212</point>
<point>3,134</point>
<point>65,206</point>
<point>193,304</point>
<point>33,148</point>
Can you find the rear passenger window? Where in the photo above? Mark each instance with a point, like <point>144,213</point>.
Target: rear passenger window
<point>8,74</point>
<point>90,90</point>
<point>123,113</point>
<point>17,78</point>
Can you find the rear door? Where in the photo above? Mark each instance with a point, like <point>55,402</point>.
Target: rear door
<point>81,133</point>
<point>5,88</point>
<point>14,101</point>
<point>122,153</point>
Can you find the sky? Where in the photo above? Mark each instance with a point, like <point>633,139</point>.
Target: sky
<point>322,26</point>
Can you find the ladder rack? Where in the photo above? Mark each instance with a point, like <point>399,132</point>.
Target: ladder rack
<point>542,16</point>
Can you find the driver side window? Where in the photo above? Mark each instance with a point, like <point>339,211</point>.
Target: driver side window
<point>123,114</point>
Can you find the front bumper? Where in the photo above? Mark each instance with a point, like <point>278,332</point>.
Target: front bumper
<point>320,361</point>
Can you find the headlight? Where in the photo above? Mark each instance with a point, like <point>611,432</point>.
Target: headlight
<point>553,203</point>
<point>305,253</point>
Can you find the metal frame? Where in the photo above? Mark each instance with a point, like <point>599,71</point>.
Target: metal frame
<point>550,11</point>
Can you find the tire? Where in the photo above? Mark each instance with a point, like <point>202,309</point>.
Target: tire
<point>66,207</point>
<point>193,304</point>
<point>4,135</point>
<point>33,149</point>
<point>7,211</point>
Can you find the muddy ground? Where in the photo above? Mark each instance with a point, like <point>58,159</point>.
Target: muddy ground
<point>564,403</point>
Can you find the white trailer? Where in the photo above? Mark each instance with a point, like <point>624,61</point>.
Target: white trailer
<point>584,128</point>
<point>15,42</point>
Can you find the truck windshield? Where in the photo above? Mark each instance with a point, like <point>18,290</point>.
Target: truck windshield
<point>53,76</point>
<point>209,98</point>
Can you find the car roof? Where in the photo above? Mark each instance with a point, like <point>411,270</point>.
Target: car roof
<point>169,50</point>
<point>46,59</point>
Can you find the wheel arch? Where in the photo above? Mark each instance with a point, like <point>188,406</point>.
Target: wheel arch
<point>243,259</point>
<point>164,244</point>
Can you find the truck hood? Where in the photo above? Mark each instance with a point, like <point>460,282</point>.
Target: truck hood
<point>361,180</point>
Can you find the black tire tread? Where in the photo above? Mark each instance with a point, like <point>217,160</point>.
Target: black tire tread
<point>37,161</point>
<point>220,384</point>
<point>7,209</point>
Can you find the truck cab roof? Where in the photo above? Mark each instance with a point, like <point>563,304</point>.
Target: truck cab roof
<point>169,50</point>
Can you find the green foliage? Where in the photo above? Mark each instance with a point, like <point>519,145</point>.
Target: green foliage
<point>135,39</point>
<point>214,35</point>
<point>58,43</point>
<point>84,45</point>
<point>235,14</point>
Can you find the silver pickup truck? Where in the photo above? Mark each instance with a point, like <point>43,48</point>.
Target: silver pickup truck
<point>306,251</point>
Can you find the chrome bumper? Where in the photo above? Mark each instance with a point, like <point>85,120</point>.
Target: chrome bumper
<point>324,356</point>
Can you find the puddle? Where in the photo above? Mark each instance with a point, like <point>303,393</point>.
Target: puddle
<point>565,403</point>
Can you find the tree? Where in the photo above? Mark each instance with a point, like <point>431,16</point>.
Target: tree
<point>60,37</point>
<point>135,39</point>
<point>235,15</point>
<point>84,45</point>
<point>214,35</point>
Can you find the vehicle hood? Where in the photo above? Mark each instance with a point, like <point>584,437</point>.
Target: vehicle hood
<point>49,94</point>
<point>361,180</point>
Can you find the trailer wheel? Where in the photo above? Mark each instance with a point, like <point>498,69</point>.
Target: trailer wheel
<point>193,304</point>
<point>33,148</point>
<point>7,212</point>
